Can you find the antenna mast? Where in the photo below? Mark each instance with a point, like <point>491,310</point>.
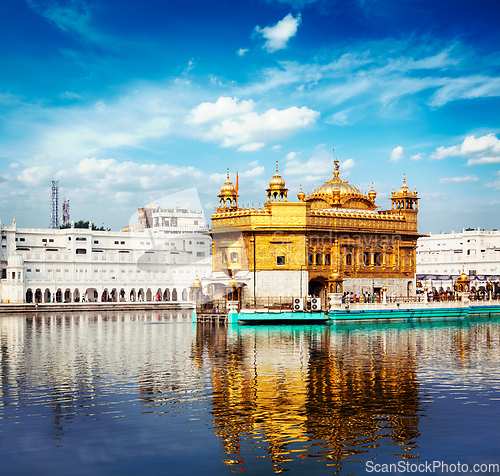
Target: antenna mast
<point>54,215</point>
<point>65,211</point>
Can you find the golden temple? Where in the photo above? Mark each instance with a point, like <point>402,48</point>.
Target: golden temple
<point>332,240</point>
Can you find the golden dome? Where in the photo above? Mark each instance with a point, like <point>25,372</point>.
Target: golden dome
<point>343,186</point>
<point>404,190</point>
<point>277,182</point>
<point>197,282</point>
<point>228,188</point>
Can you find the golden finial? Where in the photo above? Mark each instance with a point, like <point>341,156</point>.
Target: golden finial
<point>276,167</point>
<point>301,195</point>
<point>228,174</point>
<point>404,179</point>
<point>335,166</point>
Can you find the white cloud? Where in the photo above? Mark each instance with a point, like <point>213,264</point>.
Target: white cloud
<point>348,164</point>
<point>254,163</point>
<point>109,174</point>
<point>277,36</point>
<point>276,147</point>
<point>72,17</point>
<point>241,51</point>
<point>292,155</point>
<point>397,154</point>
<point>253,128</point>
<point>317,166</point>
<point>417,157</point>
<point>33,176</point>
<point>478,150</point>
<point>13,165</point>
<point>468,178</point>
<point>5,178</point>
<point>251,147</point>
<point>223,108</point>
<point>255,172</point>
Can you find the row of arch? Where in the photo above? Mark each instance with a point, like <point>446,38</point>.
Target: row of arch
<point>368,258</point>
<point>113,295</point>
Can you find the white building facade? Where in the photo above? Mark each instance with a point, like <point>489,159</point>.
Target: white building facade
<point>74,264</point>
<point>442,258</point>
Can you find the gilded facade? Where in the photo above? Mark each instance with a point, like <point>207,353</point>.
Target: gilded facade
<point>334,239</point>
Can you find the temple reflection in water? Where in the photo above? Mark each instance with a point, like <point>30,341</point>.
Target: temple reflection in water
<point>267,398</point>
<point>337,393</point>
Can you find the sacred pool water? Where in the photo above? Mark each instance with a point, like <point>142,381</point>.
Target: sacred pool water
<point>151,393</point>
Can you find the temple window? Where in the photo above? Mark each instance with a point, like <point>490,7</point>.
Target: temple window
<point>234,257</point>
<point>378,259</point>
<point>280,260</point>
<point>224,257</point>
<point>319,260</point>
<point>348,259</point>
<point>327,259</point>
<point>366,258</point>
<point>311,258</point>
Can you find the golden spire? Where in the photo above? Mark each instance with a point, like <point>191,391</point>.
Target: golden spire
<point>276,167</point>
<point>335,166</point>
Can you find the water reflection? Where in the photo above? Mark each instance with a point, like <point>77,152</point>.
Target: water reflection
<point>128,393</point>
<point>324,394</point>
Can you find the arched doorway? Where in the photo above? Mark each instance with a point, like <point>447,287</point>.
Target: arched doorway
<point>140,295</point>
<point>67,295</point>
<point>409,288</point>
<point>47,296</point>
<point>76,295</point>
<point>38,295</point>
<point>122,295</point>
<point>92,294</point>
<point>132,295</point>
<point>317,288</point>
<point>174,294</point>
<point>166,295</point>
<point>59,295</point>
<point>29,295</point>
<point>149,294</point>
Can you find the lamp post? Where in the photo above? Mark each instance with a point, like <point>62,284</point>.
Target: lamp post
<point>489,288</point>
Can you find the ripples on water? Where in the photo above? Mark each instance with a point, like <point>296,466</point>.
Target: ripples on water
<point>152,393</point>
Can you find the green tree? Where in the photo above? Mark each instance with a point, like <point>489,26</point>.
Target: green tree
<point>84,224</point>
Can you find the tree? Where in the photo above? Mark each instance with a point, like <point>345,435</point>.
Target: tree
<point>84,224</point>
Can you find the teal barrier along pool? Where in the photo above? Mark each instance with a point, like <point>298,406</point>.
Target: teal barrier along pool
<point>287,317</point>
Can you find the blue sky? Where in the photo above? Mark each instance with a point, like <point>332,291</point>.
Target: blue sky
<point>125,102</point>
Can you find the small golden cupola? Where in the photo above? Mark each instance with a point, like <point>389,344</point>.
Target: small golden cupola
<point>301,195</point>
<point>404,199</point>
<point>372,195</point>
<point>277,192</point>
<point>228,197</point>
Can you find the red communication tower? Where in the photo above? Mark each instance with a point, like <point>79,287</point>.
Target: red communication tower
<point>65,211</point>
